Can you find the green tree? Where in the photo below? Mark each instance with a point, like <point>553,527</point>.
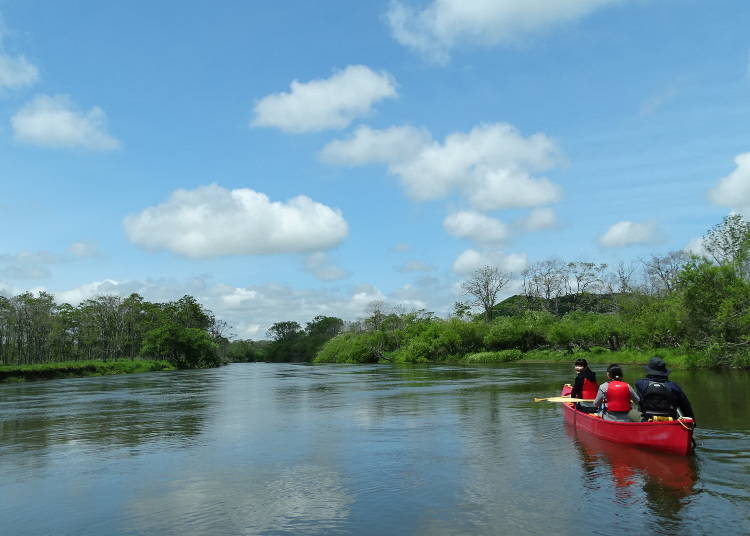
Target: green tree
<point>183,347</point>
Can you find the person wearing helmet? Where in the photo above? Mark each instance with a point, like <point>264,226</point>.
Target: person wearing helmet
<point>661,397</point>
<point>615,396</point>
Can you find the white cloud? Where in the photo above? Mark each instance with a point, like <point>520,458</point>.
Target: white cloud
<point>16,72</point>
<point>55,122</point>
<point>734,190</point>
<point>492,165</point>
<point>445,24</point>
<point>540,218</point>
<point>471,259</point>
<point>370,146</point>
<point>477,227</point>
<point>697,247</point>
<point>325,104</point>
<point>322,268</point>
<point>627,233</point>
<point>212,221</point>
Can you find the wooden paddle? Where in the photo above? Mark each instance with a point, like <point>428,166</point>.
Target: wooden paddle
<point>563,399</point>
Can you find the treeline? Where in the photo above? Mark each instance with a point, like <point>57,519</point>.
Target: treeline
<point>696,305</point>
<point>35,329</point>
<point>289,341</point>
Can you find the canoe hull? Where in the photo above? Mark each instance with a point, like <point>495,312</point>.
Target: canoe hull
<point>675,436</point>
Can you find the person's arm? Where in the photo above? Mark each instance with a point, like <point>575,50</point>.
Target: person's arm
<point>634,396</point>
<point>682,401</point>
<point>600,394</point>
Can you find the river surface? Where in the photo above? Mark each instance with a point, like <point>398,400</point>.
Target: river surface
<point>335,449</point>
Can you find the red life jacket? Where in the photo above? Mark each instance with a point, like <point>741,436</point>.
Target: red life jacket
<point>618,396</point>
<point>589,389</point>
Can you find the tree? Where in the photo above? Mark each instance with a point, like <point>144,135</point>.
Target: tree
<point>729,241</point>
<point>545,282</point>
<point>283,331</point>
<point>484,286</point>
<point>461,309</point>
<point>662,271</point>
<point>183,347</point>
<point>583,278</point>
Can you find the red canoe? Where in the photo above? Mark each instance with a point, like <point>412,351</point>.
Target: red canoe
<point>672,436</point>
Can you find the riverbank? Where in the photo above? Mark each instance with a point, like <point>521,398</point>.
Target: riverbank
<point>676,359</point>
<point>76,369</point>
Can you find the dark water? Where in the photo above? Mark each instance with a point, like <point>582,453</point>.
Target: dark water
<point>296,449</point>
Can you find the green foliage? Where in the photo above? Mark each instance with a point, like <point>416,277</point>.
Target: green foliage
<point>183,347</point>
<point>364,347</point>
<point>502,356</point>
<point>80,368</point>
<point>524,332</point>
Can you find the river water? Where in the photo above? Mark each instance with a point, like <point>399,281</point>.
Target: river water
<point>334,449</point>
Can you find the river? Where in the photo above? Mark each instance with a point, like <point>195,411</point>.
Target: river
<point>335,449</point>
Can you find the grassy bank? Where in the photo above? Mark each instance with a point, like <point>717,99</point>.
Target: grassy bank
<point>72,369</point>
<point>675,358</point>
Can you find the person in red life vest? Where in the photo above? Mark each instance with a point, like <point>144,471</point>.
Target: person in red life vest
<point>614,397</point>
<point>584,386</point>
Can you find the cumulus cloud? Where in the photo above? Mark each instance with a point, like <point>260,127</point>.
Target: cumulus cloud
<point>493,166</point>
<point>322,268</point>
<point>442,25</point>
<point>540,218</point>
<point>733,191</point>
<point>628,233</point>
<point>471,259</point>
<point>329,103</point>
<point>55,122</point>
<point>212,221</point>
<point>16,72</point>
<point>477,227</point>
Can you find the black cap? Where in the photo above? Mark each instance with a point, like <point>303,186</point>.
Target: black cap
<point>656,367</point>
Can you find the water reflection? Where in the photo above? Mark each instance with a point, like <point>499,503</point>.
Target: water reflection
<point>662,482</point>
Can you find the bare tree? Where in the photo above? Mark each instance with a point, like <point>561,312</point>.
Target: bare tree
<point>483,287</point>
<point>662,271</point>
<point>545,280</point>
<point>583,278</point>
<point>623,277</point>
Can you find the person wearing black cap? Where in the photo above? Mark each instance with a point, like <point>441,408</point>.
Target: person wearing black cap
<point>661,397</point>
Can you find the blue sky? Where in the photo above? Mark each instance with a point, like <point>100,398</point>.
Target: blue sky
<point>162,148</point>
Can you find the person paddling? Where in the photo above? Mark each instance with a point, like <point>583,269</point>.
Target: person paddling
<point>660,397</point>
<point>584,386</point>
<point>614,396</point>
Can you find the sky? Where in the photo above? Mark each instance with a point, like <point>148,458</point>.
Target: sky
<point>280,160</point>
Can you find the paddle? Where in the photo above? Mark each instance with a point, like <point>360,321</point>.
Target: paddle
<point>563,399</point>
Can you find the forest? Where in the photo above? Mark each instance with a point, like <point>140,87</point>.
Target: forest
<point>694,309</point>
